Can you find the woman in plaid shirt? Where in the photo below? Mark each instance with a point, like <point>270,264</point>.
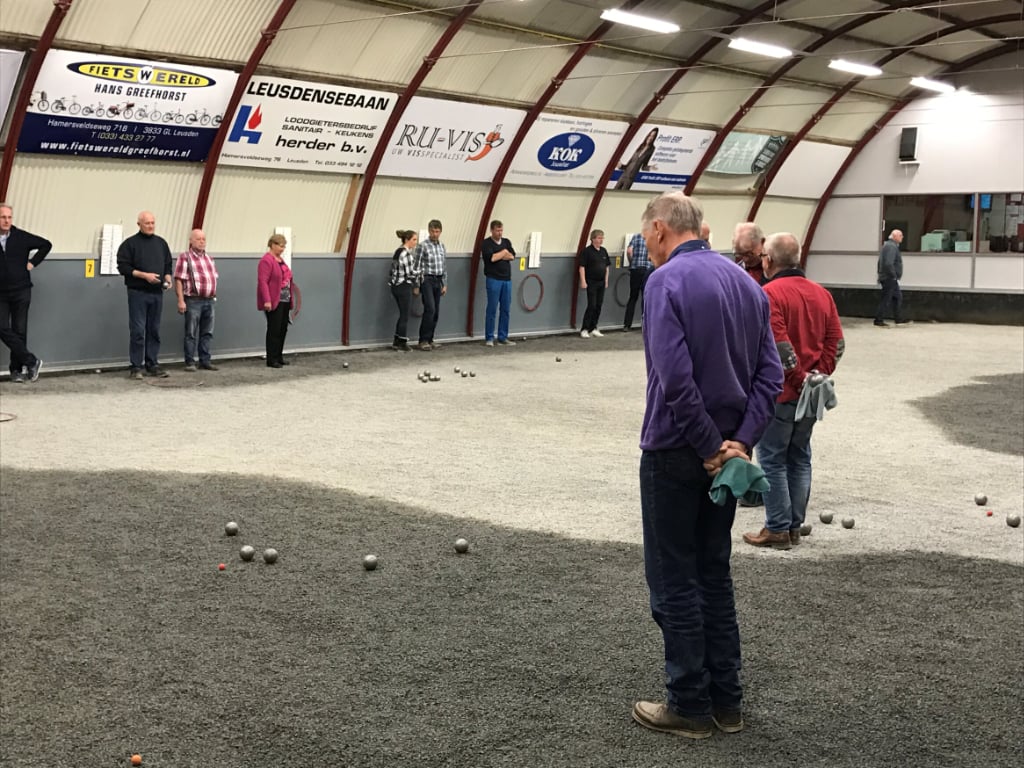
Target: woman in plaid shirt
<point>403,279</point>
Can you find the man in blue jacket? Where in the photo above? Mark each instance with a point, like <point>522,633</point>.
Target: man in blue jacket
<point>890,272</point>
<point>16,292</point>
<point>713,374</point>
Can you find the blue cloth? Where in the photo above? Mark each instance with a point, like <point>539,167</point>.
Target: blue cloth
<point>785,456</point>
<point>713,370</point>
<point>738,476</point>
<point>639,259</point>
<point>499,299</point>
<point>816,396</point>
<point>687,544</point>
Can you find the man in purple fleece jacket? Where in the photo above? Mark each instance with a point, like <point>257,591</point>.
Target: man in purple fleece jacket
<point>713,374</point>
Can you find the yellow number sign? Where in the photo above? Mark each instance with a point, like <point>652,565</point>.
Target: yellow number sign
<point>90,267</point>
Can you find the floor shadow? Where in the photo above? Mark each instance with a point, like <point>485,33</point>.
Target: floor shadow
<point>986,414</point>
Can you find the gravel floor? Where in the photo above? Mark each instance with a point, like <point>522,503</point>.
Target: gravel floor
<point>895,643</point>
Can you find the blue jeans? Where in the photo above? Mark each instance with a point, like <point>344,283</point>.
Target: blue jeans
<point>687,545</point>
<point>784,453</point>
<point>144,311</point>
<point>892,299</point>
<point>198,319</point>
<point>499,297</point>
<point>430,291</point>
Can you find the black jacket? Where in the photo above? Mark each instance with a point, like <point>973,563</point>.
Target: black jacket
<point>14,275</point>
<point>146,253</point>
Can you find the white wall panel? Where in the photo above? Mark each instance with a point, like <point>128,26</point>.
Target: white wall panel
<point>605,82</point>
<point>850,224</point>
<point>68,199</point>
<point>409,204</point>
<point>24,17</point>
<point>725,182</point>
<point>849,119</point>
<point>618,215</point>
<point>936,271</point>
<point>557,213</point>
<point>964,142</point>
<point>808,169</point>
<point>783,109</point>
<point>780,214</point>
<point>999,273</point>
<point>247,203</point>
<point>857,270</point>
<point>723,213</point>
<point>705,96</point>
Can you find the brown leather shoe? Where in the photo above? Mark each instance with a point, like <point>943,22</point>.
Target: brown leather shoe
<point>768,539</point>
<point>658,717</point>
<point>794,536</point>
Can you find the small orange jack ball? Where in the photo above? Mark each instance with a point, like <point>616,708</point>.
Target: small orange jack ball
<point>988,513</point>
<point>221,567</point>
<point>136,759</point>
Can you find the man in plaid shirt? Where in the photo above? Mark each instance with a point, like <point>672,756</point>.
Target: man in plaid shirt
<point>195,283</point>
<point>429,259</point>
<point>639,269</point>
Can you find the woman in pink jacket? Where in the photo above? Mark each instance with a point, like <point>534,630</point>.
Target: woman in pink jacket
<point>274,298</point>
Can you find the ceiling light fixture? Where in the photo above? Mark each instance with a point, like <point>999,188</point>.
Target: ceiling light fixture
<point>854,68</point>
<point>641,22</point>
<point>932,85</point>
<point>764,49</point>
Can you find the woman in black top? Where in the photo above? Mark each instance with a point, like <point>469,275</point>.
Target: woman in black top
<point>403,280</point>
<point>641,160</point>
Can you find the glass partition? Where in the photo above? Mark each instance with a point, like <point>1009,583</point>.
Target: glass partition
<point>1001,222</point>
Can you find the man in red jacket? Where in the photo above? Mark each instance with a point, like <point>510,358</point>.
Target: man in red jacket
<point>809,338</point>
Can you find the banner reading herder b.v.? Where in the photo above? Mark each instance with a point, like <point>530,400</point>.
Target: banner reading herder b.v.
<point>108,106</point>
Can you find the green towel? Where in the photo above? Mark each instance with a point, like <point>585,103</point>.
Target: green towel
<point>739,477</point>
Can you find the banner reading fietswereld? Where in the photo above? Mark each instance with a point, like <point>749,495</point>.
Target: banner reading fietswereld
<point>308,126</point>
<point>663,157</point>
<point>565,151</point>
<point>439,139</point>
<point>108,106</point>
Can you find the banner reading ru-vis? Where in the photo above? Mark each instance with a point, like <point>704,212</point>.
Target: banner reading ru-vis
<point>306,126</point>
<point>109,106</point>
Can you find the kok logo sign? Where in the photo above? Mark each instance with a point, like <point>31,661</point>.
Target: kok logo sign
<point>246,122</point>
<point>566,151</point>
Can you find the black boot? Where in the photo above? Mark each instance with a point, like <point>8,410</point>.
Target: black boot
<point>400,344</point>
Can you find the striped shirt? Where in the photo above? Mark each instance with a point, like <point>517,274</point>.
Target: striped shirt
<point>639,259</point>
<point>197,273</point>
<point>430,259</point>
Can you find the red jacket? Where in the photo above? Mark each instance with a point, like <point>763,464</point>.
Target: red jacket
<point>270,276</point>
<point>806,327</point>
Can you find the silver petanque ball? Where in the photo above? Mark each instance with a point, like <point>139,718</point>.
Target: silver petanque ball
<point>980,499</point>
<point>231,529</point>
<point>1013,520</point>
<point>472,374</point>
<point>247,553</point>
<point>457,369</point>
<point>825,517</point>
<point>461,546</point>
<point>269,556</point>
<point>805,529</point>
<point>848,522</point>
<point>370,562</point>
<point>465,374</point>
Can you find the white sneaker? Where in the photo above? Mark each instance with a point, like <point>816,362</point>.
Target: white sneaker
<point>584,335</point>
<point>597,333</point>
<point>489,343</point>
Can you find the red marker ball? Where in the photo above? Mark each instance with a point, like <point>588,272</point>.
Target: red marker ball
<point>988,513</point>
<point>221,567</point>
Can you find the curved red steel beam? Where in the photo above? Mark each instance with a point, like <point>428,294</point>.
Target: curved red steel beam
<point>790,145</point>
<point>812,227</point>
<point>637,123</point>
<point>266,38</point>
<point>725,130</point>
<point>373,166</point>
<point>506,161</point>
<point>35,63</point>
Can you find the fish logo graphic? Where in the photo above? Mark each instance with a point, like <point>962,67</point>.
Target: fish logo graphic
<point>491,141</point>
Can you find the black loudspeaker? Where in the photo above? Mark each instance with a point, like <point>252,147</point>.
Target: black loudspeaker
<point>908,145</point>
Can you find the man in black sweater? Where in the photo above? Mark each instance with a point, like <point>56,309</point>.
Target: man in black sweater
<point>16,292</point>
<point>145,261</point>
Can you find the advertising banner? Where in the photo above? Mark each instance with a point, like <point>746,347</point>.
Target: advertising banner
<point>564,151</point>
<point>10,65</point>
<point>662,157</point>
<point>306,126</point>
<point>108,106</point>
<point>439,139</point>
<point>746,154</point>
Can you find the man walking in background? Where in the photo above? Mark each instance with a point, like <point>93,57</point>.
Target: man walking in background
<point>713,375</point>
<point>16,292</point>
<point>145,261</point>
<point>809,338</point>
<point>747,247</point>
<point>639,269</point>
<point>594,266</point>
<point>497,254</point>
<point>429,259</point>
<point>195,283</point>
<point>890,272</point>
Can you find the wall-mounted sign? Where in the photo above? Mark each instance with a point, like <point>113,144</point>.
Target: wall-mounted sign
<point>108,106</point>
<point>661,157</point>
<point>439,139</point>
<point>306,126</point>
<point>564,151</point>
<point>746,154</point>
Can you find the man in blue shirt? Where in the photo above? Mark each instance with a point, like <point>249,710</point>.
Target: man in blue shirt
<point>639,269</point>
<point>713,374</point>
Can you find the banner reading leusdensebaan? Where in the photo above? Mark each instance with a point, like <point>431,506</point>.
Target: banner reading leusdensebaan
<point>108,106</point>
<point>661,157</point>
<point>440,139</point>
<point>10,65</point>
<point>306,126</point>
<point>565,151</point>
